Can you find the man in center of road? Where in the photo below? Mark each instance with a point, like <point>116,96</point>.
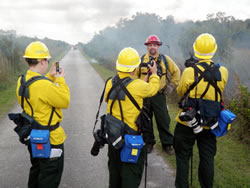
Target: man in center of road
<point>157,103</point>
<point>125,174</point>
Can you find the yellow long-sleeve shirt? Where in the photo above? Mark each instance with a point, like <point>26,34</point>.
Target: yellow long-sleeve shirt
<point>187,80</point>
<point>139,90</point>
<point>172,68</point>
<point>43,96</point>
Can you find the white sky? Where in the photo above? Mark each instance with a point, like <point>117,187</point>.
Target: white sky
<point>78,20</point>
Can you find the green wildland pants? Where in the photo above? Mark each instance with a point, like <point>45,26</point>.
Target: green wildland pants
<point>184,140</point>
<point>160,109</point>
<point>124,175</point>
<point>46,173</point>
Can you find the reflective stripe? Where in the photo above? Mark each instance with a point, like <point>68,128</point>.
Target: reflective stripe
<point>117,140</point>
<point>210,54</point>
<point>127,66</point>
<point>214,125</point>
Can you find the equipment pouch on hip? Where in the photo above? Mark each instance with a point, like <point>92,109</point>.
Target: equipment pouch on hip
<point>40,143</point>
<point>226,117</point>
<point>144,121</point>
<point>132,148</point>
<point>115,130</point>
<point>23,126</point>
<point>209,111</point>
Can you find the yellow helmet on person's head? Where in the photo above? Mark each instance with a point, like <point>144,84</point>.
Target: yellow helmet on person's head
<point>205,46</point>
<point>37,50</point>
<point>128,59</point>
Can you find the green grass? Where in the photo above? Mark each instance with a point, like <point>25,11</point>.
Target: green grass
<point>232,160</point>
<point>8,98</point>
<point>104,73</point>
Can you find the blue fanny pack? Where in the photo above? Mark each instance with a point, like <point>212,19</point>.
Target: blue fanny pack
<point>226,117</point>
<point>40,143</point>
<point>132,148</point>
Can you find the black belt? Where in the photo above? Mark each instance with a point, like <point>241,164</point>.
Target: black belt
<point>50,128</point>
<point>54,127</point>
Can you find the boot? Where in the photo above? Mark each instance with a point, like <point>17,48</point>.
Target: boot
<point>150,148</point>
<point>169,150</point>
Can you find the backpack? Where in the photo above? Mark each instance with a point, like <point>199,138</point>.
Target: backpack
<point>114,128</point>
<point>209,109</point>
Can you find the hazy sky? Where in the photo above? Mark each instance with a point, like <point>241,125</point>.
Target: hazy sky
<point>78,20</point>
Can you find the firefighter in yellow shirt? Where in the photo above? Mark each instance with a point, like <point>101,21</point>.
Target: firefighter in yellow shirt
<point>157,103</point>
<point>122,174</point>
<point>47,97</point>
<point>201,88</point>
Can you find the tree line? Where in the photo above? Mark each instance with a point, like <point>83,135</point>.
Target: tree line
<point>232,35</point>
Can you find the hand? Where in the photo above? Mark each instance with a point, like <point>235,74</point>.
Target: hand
<point>153,69</point>
<point>60,74</point>
<point>146,78</point>
<point>52,70</point>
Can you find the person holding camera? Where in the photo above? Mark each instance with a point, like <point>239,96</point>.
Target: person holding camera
<point>157,103</point>
<point>201,87</point>
<point>121,108</point>
<point>42,102</point>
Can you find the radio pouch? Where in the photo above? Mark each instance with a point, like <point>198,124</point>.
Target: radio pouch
<point>225,119</point>
<point>40,143</point>
<point>132,148</point>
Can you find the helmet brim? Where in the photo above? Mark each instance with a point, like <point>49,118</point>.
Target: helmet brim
<point>153,42</point>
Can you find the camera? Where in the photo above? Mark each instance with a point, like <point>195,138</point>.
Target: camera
<point>159,68</point>
<point>100,139</point>
<point>188,114</point>
<point>195,123</point>
<point>151,63</point>
<point>99,142</point>
<point>58,69</point>
<point>192,118</point>
<point>151,59</point>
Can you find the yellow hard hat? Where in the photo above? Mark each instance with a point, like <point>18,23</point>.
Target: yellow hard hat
<point>128,59</point>
<point>37,50</point>
<point>205,46</point>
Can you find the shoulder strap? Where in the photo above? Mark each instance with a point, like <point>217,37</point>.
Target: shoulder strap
<point>113,101</point>
<point>212,82</point>
<point>196,79</point>
<point>142,58</point>
<point>51,116</point>
<point>100,102</point>
<point>163,57</point>
<point>121,83</point>
<point>130,97</point>
<point>24,93</point>
<point>24,89</point>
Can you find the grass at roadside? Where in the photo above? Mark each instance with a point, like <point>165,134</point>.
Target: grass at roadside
<point>7,99</point>
<point>232,160</point>
<point>104,73</point>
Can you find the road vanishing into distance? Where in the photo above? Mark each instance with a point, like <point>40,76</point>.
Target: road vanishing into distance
<point>81,170</point>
